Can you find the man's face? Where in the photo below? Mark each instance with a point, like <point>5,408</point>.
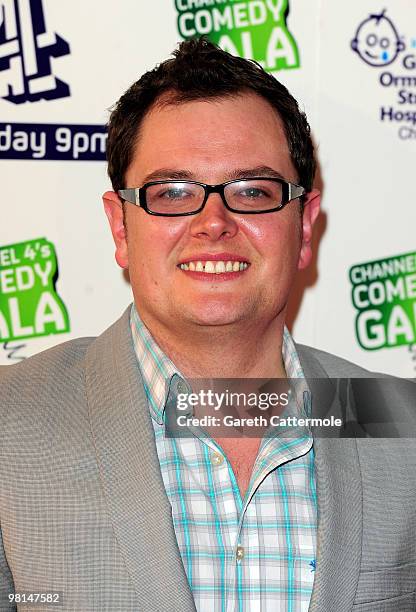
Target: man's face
<point>213,141</point>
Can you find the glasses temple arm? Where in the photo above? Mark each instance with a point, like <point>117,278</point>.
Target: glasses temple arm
<point>128,194</point>
<point>295,191</point>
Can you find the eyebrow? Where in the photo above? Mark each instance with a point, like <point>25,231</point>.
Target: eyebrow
<point>186,175</point>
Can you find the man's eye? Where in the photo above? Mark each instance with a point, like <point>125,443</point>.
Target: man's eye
<point>173,194</point>
<point>253,192</point>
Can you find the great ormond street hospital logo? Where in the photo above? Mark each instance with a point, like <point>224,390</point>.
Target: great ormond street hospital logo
<point>378,43</point>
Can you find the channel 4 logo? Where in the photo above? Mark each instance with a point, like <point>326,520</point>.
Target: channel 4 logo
<point>26,49</point>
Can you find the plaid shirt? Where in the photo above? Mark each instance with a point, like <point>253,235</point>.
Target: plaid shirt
<point>255,554</point>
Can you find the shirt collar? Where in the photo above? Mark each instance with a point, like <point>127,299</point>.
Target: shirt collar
<point>160,375</point>
<point>295,374</point>
<point>156,367</point>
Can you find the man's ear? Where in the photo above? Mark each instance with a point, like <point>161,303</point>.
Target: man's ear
<point>114,211</point>
<point>310,213</point>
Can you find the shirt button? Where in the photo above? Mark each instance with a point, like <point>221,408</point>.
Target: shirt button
<point>217,459</point>
<point>239,555</point>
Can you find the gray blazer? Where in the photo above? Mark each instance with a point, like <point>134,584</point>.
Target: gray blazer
<point>83,509</point>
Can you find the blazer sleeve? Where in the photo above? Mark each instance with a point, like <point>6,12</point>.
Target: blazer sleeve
<point>6,581</point>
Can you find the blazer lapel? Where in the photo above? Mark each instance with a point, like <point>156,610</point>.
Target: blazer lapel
<point>130,472</point>
<point>339,493</point>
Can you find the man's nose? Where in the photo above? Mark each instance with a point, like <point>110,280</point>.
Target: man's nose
<point>214,222</point>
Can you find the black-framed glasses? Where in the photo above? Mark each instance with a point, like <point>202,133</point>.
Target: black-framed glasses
<point>247,196</point>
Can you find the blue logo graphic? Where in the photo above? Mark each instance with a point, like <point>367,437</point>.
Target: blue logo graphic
<point>313,565</point>
<point>53,141</point>
<point>26,49</point>
<point>377,41</point>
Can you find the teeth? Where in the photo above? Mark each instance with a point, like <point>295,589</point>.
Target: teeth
<point>214,267</point>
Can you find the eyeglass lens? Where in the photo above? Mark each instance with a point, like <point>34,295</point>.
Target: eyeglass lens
<point>246,195</point>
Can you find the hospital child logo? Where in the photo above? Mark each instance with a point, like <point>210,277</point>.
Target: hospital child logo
<point>377,41</point>
<point>26,50</point>
<point>254,29</point>
<point>29,304</point>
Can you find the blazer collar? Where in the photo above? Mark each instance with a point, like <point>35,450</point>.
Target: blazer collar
<point>129,469</point>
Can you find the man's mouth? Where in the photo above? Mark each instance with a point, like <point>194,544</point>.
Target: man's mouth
<point>214,267</point>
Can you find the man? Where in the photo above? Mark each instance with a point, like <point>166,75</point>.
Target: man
<point>212,212</point>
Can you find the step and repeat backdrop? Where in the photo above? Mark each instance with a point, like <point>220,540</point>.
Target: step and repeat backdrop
<point>351,65</point>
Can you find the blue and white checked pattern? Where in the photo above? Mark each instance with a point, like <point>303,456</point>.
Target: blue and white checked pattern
<point>276,522</point>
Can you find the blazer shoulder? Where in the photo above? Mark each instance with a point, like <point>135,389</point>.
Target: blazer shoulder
<point>331,365</point>
<point>53,368</point>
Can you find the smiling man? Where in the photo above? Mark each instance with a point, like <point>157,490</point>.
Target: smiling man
<point>180,257</point>
<point>212,211</point>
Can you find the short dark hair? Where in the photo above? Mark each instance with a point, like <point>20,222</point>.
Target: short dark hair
<point>199,69</point>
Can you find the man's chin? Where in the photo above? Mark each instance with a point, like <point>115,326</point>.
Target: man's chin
<point>210,315</point>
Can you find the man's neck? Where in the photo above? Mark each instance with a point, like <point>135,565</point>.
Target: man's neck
<point>227,351</point>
